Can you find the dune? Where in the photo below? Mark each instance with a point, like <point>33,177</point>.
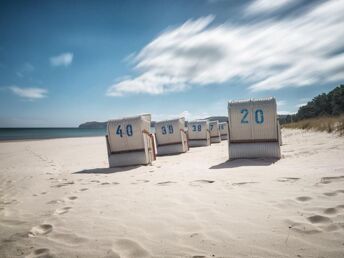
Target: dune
<point>58,198</point>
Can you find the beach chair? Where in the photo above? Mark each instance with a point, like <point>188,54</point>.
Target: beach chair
<point>254,129</point>
<point>215,136</point>
<point>171,137</point>
<point>198,133</point>
<point>279,132</point>
<point>223,127</point>
<point>129,141</point>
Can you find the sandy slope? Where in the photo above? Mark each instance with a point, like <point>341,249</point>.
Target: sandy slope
<point>57,198</point>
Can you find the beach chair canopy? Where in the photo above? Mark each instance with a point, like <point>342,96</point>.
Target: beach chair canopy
<point>253,120</point>
<point>214,128</point>
<point>126,134</point>
<point>223,127</point>
<point>198,129</point>
<point>169,131</point>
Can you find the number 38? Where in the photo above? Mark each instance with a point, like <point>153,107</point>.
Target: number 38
<point>258,115</point>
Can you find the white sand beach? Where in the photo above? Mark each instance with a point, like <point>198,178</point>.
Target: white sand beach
<point>58,198</point>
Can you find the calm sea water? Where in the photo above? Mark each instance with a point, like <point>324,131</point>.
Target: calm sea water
<point>48,133</point>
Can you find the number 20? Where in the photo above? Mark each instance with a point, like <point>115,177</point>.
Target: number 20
<point>258,115</point>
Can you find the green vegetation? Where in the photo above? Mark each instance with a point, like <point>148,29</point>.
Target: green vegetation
<point>325,124</point>
<point>324,113</point>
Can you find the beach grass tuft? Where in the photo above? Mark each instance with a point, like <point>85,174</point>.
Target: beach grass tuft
<point>324,124</point>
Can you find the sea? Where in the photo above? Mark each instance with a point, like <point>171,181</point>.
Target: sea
<point>7,134</point>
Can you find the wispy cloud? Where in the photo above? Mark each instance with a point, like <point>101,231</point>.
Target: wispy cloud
<point>267,6</point>
<point>29,93</point>
<point>300,105</point>
<point>25,69</point>
<point>281,102</point>
<point>291,52</point>
<point>186,114</point>
<point>64,59</point>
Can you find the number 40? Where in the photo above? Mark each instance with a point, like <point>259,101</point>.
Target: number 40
<point>258,115</point>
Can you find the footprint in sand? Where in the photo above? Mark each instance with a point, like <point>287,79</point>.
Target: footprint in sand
<point>95,181</point>
<point>330,194</point>
<point>83,189</point>
<point>303,198</point>
<point>318,219</point>
<point>330,211</point>
<point>61,211</point>
<point>55,201</point>
<point>143,180</point>
<point>115,183</point>
<point>201,182</point>
<point>129,248</point>
<point>330,179</point>
<point>304,228</point>
<point>72,198</point>
<point>166,183</point>
<point>41,252</point>
<point>105,183</point>
<point>288,179</point>
<point>42,229</point>
<point>333,193</point>
<point>63,184</point>
<point>244,183</point>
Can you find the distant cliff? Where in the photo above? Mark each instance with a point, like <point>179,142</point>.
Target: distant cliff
<point>218,118</point>
<point>96,125</point>
<point>93,125</point>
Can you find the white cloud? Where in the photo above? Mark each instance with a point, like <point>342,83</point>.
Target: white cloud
<point>29,93</point>
<point>265,6</point>
<point>293,52</point>
<point>301,104</point>
<point>285,113</point>
<point>186,114</point>
<point>64,59</point>
<point>281,102</point>
<point>26,68</point>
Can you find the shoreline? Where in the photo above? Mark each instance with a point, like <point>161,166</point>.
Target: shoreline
<point>51,138</point>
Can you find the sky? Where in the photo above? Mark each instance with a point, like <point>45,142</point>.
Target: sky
<point>63,63</point>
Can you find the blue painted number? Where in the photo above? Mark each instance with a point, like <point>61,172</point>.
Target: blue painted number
<point>244,118</point>
<point>169,127</point>
<point>128,128</point>
<point>196,128</point>
<point>163,130</point>
<point>259,115</point>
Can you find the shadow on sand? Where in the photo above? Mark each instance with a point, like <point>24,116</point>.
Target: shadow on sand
<point>245,163</point>
<point>106,170</point>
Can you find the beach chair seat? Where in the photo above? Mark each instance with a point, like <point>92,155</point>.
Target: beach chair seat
<point>129,141</point>
<point>254,129</point>
<point>171,137</point>
<point>198,133</point>
<point>223,127</point>
<point>215,136</point>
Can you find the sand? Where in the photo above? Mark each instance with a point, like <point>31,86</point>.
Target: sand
<point>59,199</point>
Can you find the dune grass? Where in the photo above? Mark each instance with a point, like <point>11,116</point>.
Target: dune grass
<point>323,124</point>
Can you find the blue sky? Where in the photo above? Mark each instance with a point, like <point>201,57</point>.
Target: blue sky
<point>66,62</point>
